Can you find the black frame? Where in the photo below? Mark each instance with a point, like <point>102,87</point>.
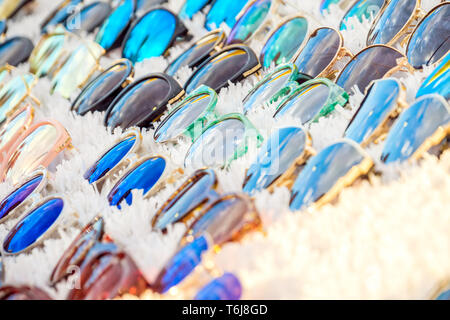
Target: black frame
<point>252,63</point>
<point>174,90</point>
<point>106,100</point>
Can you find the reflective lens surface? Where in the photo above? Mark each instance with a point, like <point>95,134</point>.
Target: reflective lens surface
<point>46,53</point>
<point>284,42</point>
<point>369,64</point>
<point>438,81</point>
<point>22,293</point>
<point>150,36</point>
<point>322,172</point>
<point>31,152</point>
<point>9,7</point>
<point>13,128</point>
<point>250,21</point>
<point>115,25</point>
<point>110,159</point>
<point>143,177</point>
<point>325,5</point>
<point>223,11</point>
<point>18,196</point>
<point>60,15</point>
<point>367,9</point>
<point>15,50</point>
<point>265,91</point>
<point>89,17</point>
<point>33,226</point>
<point>393,19</point>
<point>277,155</point>
<point>191,7</point>
<point>77,69</point>
<point>413,127</point>
<point>215,73</point>
<point>320,50</point>
<point>13,93</point>
<point>306,104</point>
<point>217,145</point>
<point>196,54</point>
<point>182,117</point>
<point>379,103</point>
<point>431,40</point>
<point>99,93</point>
<point>226,287</point>
<point>139,102</point>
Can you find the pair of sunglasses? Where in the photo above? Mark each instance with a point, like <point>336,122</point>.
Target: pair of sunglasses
<point>26,146</point>
<point>15,50</point>
<point>148,173</point>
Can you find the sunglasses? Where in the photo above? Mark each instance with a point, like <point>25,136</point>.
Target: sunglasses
<point>122,165</point>
<point>273,86</point>
<point>284,41</point>
<point>323,49</point>
<point>189,117</point>
<point>143,102</point>
<point>196,54</point>
<point>223,141</point>
<point>9,8</point>
<point>231,64</point>
<point>278,162</point>
<point>311,100</point>
<point>59,15</point>
<point>15,50</point>
<point>424,125</point>
<point>88,18</point>
<point>438,81</point>
<point>152,35</point>
<point>104,270</point>
<point>361,10</point>
<point>384,101</point>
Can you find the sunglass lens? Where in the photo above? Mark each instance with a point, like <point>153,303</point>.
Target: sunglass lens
<point>284,42</point>
<point>99,93</point>
<point>191,7</point>
<point>438,81</point>
<point>322,172</point>
<point>223,11</point>
<point>380,101</point>
<point>431,40</point>
<point>89,17</point>
<point>31,227</point>
<point>143,177</point>
<point>59,15</point>
<point>253,17</point>
<point>18,196</point>
<point>23,293</point>
<point>150,36</point>
<point>361,9</point>
<point>12,130</point>
<point>45,55</point>
<point>276,156</point>
<point>13,93</point>
<point>216,145</point>
<point>321,48</point>
<point>115,25</point>
<point>413,127</point>
<point>226,287</point>
<point>15,51</point>
<point>109,160</point>
<point>370,64</point>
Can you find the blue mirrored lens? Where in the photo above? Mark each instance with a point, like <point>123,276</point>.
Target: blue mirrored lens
<point>15,50</point>
<point>284,42</point>
<point>276,156</point>
<point>361,9</point>
<point>379,102</point>
<point>393,19</point>
<point>223,11</point>
<point>59,16</point>
<point>18,196</point>
<point>322,172</point>
<point>89,17</point>
<point>33,225</point>
<point>227,287</point>
<point>325,5</point>
<point>431,40</point>
<point>438,81</point>
<point>191,7</point>
<point>181,265</point>
<point>109,160</point>
<point>150,36</point>
<point>321,48</point>
<point>413,127</point>
<point>115,25</point>
<point>263,93</point>
<point>143,177</point>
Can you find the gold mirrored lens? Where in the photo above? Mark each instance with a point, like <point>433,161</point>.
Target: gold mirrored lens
<point>46,54</point>
<point>13,93</point>
<point>31,152</point>
<point>76,70</point>
<point>7,7</point>
<point>17,125</point>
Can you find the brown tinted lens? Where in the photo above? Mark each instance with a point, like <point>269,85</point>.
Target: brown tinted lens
<point>23,293</point>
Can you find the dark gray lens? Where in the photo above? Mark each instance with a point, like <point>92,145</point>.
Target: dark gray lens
<point>15,51</point>
<point>89,17</point>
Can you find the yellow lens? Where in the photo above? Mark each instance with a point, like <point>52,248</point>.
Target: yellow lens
<point>45,55</point>
<point>31,152</point>
<point>7,7</point>
<point>77,68</point>
<point>13,93</point>
<point>15,126</point>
